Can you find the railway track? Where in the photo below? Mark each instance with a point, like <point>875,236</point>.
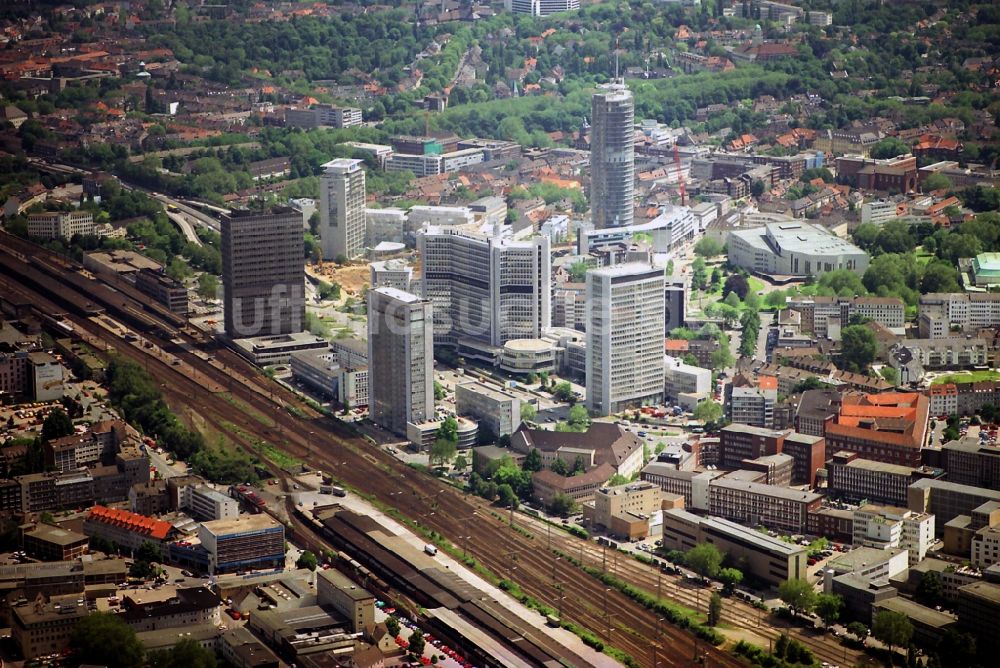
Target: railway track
<point>328,444</point>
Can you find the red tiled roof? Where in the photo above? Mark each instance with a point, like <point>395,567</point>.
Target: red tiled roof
<point>130,521</point>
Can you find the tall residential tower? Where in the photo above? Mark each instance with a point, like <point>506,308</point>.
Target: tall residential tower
<point>612,156</point>
<point>263,272</point>
<point>624,337</point>
<point>342,208</point>
<point>400,359</point>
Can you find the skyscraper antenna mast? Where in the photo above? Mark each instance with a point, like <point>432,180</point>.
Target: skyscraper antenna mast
<point>616,59</point>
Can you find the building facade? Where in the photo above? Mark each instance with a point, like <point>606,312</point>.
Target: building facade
<point>401,354</point>
<point>263,273</point>
<point>248,543</point>
<point>486,289</point>
<point>494,409</point>
<point>888,526</point>
<point>612,156</point>
<point>342,209</point>
<point>624,337</point>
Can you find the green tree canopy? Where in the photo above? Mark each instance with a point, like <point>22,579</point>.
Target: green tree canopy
<point>307,560</point>
<point>187,653</point>
<point>708,247</point>
<point>578,418</point>
<point>798,595</point>
<point>714,609</point>
<point>532,461</point>
<point>104,639</point>
<point>563,391</point>
<point>704,559</point>
<point>892,628</point>
<point>57,425</point>
<point>828,607</point>
<point>890,147</point>
<point>858,348</point>
<point>707,411</point>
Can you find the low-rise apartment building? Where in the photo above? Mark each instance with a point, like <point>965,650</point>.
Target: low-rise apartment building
<point>943,313</point>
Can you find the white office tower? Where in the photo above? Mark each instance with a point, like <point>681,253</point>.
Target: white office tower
<point>486,289</point>
<point>624,337</point>
<point>400,359</point>
<point>541,7</point>
<point>612,156</point>
<point>342,208</point>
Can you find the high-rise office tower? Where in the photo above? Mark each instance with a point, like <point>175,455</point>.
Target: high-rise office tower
<point>612,156</point>
<point>624,337</point>
<point>485,288</point>
<point>342,208</point>
<point>263,272</point>
<point>400,359</point>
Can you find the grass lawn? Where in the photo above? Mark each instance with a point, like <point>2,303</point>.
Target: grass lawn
<point>967,377</point>
<point>923,257</point>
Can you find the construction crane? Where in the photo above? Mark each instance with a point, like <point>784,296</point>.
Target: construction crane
<point>680,175</point>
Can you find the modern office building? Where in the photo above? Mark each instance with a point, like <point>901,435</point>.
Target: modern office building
<point>541,7</point>
<point>624,337</point>
<point>612,156</point>
<point>323,115</point>
<point>495,410</point>
<point>335,589</point>
<point>769,559</point>
<point>683,378</point>
<point>247,543</point>
<point>263,272</point>
<point>852,479</point>
<point>391,274</point>
<point>401,354</point>
<point>754,504</point>
<point>60,224</point>
<point>970,462</point>
<point>342,208</point>
<point>486,289</point>
<point>793,249</point>
<point>45,626</point>
<point>946,500</point>
<point>888,526</point>
<point>752,405</point>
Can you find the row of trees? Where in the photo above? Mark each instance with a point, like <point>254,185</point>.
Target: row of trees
<point>104,639</point>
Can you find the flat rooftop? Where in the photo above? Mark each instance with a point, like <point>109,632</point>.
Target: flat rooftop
<point>56,535</point>
<point>920,613</point>
<point>862,556</point>
<point>752,536</point>
<point>241,524</point>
